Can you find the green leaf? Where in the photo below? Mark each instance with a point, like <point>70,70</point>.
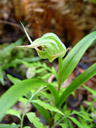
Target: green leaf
<point>70,125</point>
<point>46,76</point>
<point>23,100</point>
<point>9,126</point>
<point>13,79</point>
<point>76,122</point>
<point>63,125</point>
<point>54,92</point>
<point>90,90</point>
<point>85,123</point>
<point>27,127</point>
<point>15,92</point>
<point>10,47</point>
<point>90,72</point>
<point>43,112</point>
<point>35,120</point>
<point>49,46</point>
<point>47,106</point>
<point>1,76</point>
<point>46,95</point>
<point>72,59</point>
<point>83,115</point>
<point>14,113</point>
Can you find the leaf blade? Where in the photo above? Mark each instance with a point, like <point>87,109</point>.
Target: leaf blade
<point>9,126</point>
<point>72,59</point>
<point>43,112</point>
<point>47,106</point>
<point>1,76</point>
<point>35,120</point>
<point>76,122</point>
<point>15,92</point>
<point>90,72</point>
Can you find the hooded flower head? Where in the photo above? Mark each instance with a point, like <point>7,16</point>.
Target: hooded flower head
<point>49,46</point>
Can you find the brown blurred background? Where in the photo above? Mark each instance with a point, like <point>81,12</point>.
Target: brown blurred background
<point>69,19</point>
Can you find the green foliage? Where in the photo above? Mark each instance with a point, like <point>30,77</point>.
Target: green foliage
<point>10,56</point>
<point>74,56</point>
<point>86,120</point>
<point>1,76</point>
<point>2,55</point>
<point>20,89</point>
<point>94,1</point>
<point>90,72</point>
<point>91,106</point>
<point>90,1</point>
<point>49,103</point>
<point>49,46</point>
<point>47,106</point>
<point>14,113</point>
<point>35,120</point>
<point>90,90</point>
<point>9,48</point>
<point>27,127</point>
<point>44,113</point>
<point>13,80</point>
<point>9,126</point>
<point>76,122</point>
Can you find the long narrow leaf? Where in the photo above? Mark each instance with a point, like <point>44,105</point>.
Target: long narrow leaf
<point>13,79</point>
<point>1,76</point>
<point>9,126</point>
<point>54,92</point>
<point>10,47</point>
<point>75,55</point>
<point>15,92</point>
<point>90,72</point>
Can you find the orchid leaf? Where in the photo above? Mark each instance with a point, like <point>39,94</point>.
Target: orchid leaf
<point>74,56</point>
<point>90,72</point>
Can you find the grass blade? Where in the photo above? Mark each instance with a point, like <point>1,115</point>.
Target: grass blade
<point>90,72</point>
<point>72,59</point>
<point>54,92</point>
<point>1,76</point>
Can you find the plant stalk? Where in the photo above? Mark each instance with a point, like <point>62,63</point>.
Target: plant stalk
<point>52,120</point>
<point>22,119</point>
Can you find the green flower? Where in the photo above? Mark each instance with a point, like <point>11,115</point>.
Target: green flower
<point>49,46</point>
